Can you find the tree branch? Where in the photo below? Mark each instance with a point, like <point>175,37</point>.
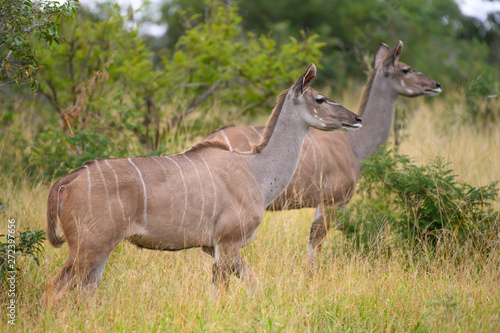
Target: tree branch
<point>175,121</point>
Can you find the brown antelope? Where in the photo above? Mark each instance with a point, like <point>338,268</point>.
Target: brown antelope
<point>208,196</point>
<point>329,164</point>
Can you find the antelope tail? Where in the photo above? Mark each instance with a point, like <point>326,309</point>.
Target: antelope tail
<point>54,204</point>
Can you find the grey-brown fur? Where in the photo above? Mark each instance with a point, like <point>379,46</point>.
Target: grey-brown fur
<point>329,165</point>
<point>208,197</point>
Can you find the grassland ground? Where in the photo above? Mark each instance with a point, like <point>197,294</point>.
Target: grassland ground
<point>352,289</point>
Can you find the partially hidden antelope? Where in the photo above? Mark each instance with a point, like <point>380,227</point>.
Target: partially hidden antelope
<point>208,196</point>
<point>329,165</point>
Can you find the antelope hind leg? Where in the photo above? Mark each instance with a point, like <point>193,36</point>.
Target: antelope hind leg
<point>82,267</point>
<point>92,281</point>
<point>64,281</point>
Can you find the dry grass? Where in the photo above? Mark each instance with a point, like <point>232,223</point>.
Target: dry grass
<point>350,291</point>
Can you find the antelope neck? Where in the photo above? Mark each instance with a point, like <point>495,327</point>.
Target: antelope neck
<point>377,109</point>
<point>274,165</point>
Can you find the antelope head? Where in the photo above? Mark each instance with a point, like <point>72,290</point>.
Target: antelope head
<point>319,111</point>
<point>405,80</point>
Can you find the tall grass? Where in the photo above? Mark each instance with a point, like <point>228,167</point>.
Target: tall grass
<point>351,290</point>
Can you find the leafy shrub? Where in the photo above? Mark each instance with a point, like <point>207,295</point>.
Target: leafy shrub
<point>21,21</point>
<point>29,243</point>
<point>418,203</point>
<point>55,152</point>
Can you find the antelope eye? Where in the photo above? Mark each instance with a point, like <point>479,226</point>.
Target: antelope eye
<point>320,100</point>
<point>406,70</point>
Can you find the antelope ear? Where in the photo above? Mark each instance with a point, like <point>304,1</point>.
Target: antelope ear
<point>300,86</point>
<point>397,51</point>
<point>393,57</point>
<point>382,52</point>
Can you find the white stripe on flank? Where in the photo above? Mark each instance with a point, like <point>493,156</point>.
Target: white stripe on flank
<point>227,140</point>
<point>213,183</point>
<point>201,186</point>
<point>105,188</point>
<point>117,189</point>
<point>246,136</point>
<point>185,189</point>
<point>90,191</point>
<point>164,170</point>
<point>253,127</point>
<point>314,154</point>
<point>145,212</point>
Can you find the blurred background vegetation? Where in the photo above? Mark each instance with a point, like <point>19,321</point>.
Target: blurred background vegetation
<point>104,90</point>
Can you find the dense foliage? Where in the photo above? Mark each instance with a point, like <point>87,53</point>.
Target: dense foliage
<point>20,21</point>
<point>29,243</point>
<point>438,38</point>
<point>418,203</point>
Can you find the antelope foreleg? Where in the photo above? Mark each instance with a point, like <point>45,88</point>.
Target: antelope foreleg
<point>246,273</point>
<point>321,224</point>
<point>316,235</point>
<point>228,261</point>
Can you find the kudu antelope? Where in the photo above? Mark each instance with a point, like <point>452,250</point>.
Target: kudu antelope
<point>329,164</point>
<point>208,196</point>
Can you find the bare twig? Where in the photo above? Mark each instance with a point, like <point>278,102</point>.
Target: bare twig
<point>6,58</point>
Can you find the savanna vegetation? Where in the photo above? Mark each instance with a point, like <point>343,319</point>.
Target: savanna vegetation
<point>418,248</point>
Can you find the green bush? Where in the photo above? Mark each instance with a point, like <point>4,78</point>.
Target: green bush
<point>21,21</point>
<point>418,203</point>
<point>55,152</point>
<point>29,243</point>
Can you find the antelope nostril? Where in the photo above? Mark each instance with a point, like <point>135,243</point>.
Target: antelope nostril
<point>358,119</point>
<point>438,84</point>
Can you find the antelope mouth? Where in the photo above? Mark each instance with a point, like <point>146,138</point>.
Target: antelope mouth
<point>432,92</point>
<point>350,128</point>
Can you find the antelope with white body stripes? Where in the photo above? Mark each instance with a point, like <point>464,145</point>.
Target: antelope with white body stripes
<point>330,165</point>
<point>208,196</point>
